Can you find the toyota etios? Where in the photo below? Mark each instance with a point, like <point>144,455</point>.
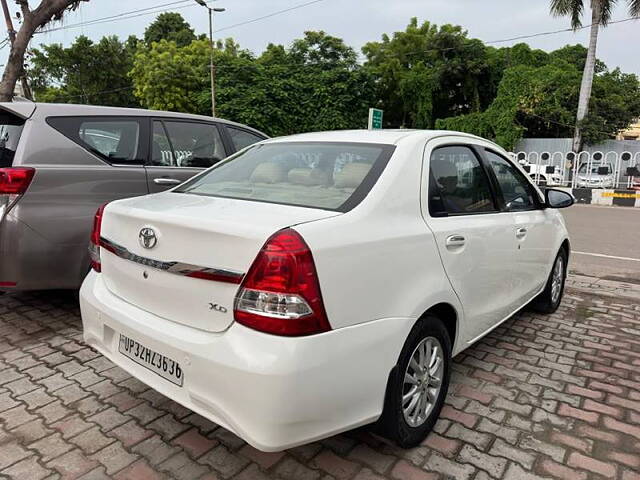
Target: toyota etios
<point>311,284</point>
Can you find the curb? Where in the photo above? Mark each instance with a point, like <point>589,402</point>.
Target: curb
<point>606,197</point>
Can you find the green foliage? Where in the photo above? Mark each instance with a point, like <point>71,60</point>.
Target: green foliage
<point>314,85</point>
<point>85,72</point>
<point>172,27</point>
<point>429,72</point>
<point>541,102</point>
<point>423,77</point>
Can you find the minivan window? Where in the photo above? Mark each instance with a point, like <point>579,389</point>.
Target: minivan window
<point>195,145</point>
<point>117,140</point>
<point>458,183</point>
<point>10,131</point>
<point>242,138</point>
<point>327,175</point>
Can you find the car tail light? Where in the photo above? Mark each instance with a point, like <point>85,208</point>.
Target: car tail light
<point>15,181</point>
<point>280,294</point>
<point>94,243</point>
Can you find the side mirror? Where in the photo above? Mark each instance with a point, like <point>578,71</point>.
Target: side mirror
<point>558,198</point>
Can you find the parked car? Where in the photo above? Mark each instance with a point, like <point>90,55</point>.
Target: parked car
<point>595,175</point>
<point>315,283</point>
<point>543,175</point>
<point>58,163</point>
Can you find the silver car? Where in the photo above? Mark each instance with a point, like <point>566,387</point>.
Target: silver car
<point>59,163</point>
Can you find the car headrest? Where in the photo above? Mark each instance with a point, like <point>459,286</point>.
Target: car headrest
<point>269,173</point>
<point>352,175</point>
<point>308,176</point>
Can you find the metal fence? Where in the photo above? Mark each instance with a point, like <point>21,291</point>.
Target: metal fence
<point>597,169</point>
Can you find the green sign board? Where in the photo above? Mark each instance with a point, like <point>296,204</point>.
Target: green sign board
<point>375,119</point>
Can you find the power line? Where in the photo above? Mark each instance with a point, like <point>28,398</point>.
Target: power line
<point>123,15</point>
<point>512,39</point>
<point>279,12</point>
<point>158,9</point>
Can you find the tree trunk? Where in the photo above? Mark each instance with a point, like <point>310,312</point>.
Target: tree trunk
<point>15,64</point>
<point>31,20</point>
<point>587,75</point>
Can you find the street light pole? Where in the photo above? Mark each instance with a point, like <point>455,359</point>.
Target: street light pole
<point>211,65</point>
<point>211,53</point>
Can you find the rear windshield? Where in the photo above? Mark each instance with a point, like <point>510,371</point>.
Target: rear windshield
<point>330,176</point>
<point>596,169</point>
<point>10,131</point>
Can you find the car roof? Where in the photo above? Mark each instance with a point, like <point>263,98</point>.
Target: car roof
<point>70,109</point>
<point>391,137</point>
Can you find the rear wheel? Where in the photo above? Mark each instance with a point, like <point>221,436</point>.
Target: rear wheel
<point>549,300</point>
<point>418,384</point>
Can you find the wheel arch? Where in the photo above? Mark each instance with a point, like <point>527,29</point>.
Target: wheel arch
<point>450,318</point>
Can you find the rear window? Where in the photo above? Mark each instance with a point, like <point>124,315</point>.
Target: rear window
<point>330,176</point>
<point>114,139</point>
<point>10,131</point>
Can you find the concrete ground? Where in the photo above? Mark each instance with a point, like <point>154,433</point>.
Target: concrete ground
<point>599,235</point>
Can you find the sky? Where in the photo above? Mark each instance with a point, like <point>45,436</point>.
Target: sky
<point>357,22</point>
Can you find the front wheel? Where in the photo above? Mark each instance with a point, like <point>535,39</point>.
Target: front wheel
<point>549,300</point>
<point>418,384</point>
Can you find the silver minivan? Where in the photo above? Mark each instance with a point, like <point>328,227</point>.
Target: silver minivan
<point>59,163</point>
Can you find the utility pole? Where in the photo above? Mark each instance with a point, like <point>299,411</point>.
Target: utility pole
<point>12,37</point>
<point>211,52</point>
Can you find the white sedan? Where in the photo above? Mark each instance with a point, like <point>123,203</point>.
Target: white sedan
<point>315,283</point>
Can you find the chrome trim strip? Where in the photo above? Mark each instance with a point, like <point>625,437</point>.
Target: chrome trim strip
<point>176,268</point>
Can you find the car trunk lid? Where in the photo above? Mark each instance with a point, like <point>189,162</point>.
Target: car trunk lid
<point>192,232</point>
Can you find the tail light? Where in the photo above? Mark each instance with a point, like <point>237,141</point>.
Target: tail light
<point>280,294</point>
<point>15,181</point>
<point>94,243</point>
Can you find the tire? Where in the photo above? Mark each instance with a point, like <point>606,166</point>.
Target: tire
<point>549,300</point>
<point>394,423</point>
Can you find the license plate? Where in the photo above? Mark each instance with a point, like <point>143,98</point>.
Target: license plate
<point>164,366</point>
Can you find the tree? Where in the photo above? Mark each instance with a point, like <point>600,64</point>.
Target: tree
<point>316,84</point>
<point>600,15</point>
<point>45,12</point>
<point>540,101</point>
<point>429,72</point>
<point>170,26</point>
<point>85,72</point>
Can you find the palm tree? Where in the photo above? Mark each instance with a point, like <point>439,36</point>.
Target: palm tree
<point>600,15</point>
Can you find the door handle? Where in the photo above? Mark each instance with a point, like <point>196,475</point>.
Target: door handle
<point>521,232</point>
<point>166,181</point>
<point>455,241</point>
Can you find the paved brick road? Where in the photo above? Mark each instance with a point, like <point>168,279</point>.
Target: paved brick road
<point>552,397</point>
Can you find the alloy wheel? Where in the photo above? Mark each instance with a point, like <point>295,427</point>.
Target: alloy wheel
<point>422,381</point>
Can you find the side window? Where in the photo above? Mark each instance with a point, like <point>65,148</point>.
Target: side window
<point>517,192</point>
<point>194,145</point>
<point>161,152</point>
<point>116,140</point>
<point>242,138</point>
<point>458,184</point>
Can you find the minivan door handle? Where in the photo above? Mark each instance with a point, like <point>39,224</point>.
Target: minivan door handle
<point>455,241</point>
<point>521,232</point>
<point>166,181</point>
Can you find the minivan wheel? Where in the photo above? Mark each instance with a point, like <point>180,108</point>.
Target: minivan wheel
<point>549,300</point>
<point>418,384</point>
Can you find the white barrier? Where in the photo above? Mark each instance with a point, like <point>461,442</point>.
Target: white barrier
<point>585,170</point>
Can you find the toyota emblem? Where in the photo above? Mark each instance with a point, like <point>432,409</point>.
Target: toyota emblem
<point>147,238</point>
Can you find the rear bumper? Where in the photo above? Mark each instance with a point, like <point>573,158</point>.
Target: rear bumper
<point>34,263</point>
<point>274,392</point>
